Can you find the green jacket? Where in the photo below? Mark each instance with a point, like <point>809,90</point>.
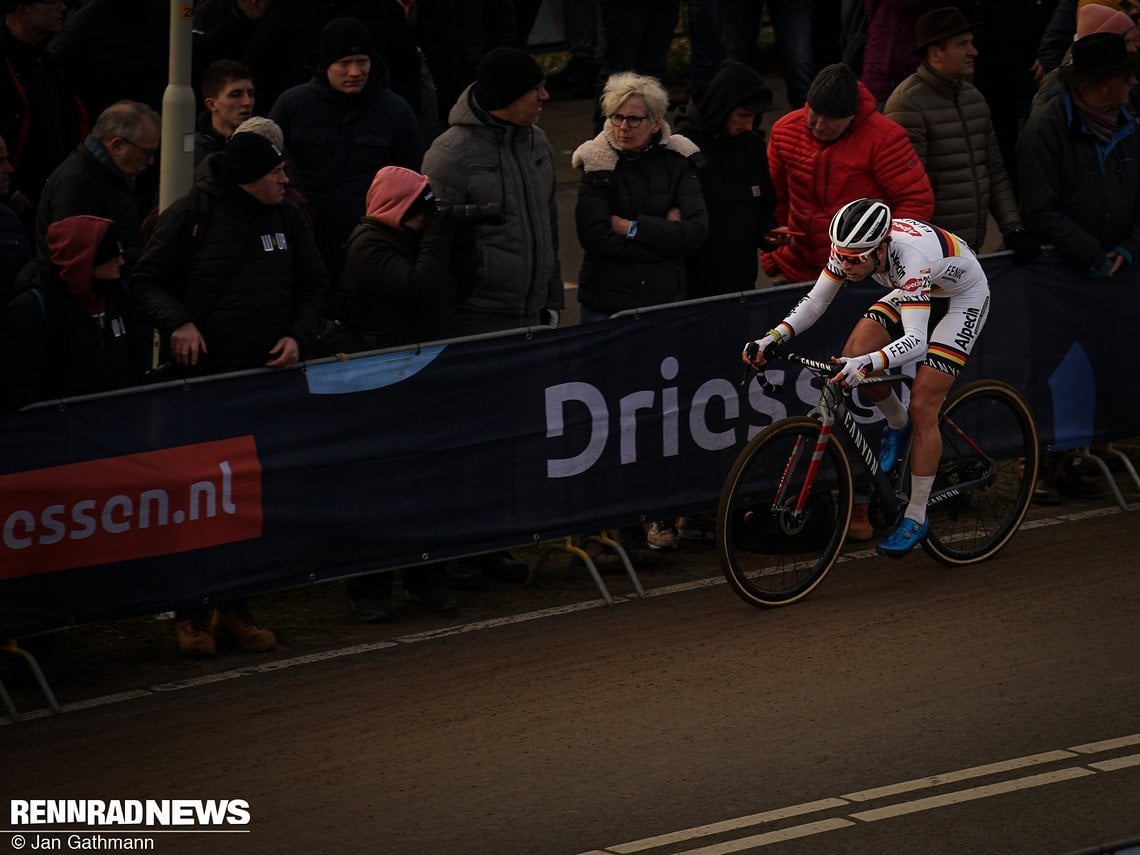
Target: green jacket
<point>948,121</point>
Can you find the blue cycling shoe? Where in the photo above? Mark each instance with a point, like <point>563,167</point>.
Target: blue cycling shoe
<point>893,442</point>
<point>903,539</point>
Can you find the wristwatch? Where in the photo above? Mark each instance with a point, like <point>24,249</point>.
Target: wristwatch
<point>632,231</point>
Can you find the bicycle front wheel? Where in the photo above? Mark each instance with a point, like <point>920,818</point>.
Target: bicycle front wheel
<point>782,516</point>
<point>989,466</point>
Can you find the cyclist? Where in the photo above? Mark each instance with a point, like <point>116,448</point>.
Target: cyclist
<point>937,285</point>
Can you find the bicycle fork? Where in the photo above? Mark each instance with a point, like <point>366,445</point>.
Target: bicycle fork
<point>817,450</point>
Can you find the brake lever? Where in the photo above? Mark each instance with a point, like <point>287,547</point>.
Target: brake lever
<point>752,348</point>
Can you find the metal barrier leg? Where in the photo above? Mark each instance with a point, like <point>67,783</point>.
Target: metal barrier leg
<point>13,646</point>
<point>1125,461</point>
<point>1100,464</point>
<point>567,545</point>
<point>13,713</point>
<point>607,538</point>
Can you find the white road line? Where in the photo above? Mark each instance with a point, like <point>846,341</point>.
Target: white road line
<point>465,628</point>
<point>726,826</point>
<point>973,793</point>
<point>913,806</point>
<point>276,665</point>
<point>1117,763</point>
<point>1107,744</point>
<point>959,775</point>
<point>770,837</point>
<point>478,626</point>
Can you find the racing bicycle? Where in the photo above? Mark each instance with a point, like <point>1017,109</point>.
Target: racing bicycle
<point>786,503</point>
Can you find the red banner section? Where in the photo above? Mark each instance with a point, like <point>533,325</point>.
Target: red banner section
<point>133,506</point>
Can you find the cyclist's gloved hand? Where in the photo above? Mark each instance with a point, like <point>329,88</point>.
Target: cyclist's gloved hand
<point>763,343</point>
<point>1023,245</point>
<point>853,370</point>
<point>549,317</point>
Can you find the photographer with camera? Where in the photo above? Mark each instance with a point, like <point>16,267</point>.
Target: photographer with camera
<point>396,289</point>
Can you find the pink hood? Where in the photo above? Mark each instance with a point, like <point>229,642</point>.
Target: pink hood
<point>393,191</point>
<point>73,242</point>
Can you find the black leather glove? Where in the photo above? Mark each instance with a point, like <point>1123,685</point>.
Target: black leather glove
<point>1024,246</point>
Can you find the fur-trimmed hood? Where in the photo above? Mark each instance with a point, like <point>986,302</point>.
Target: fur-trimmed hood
<point>601,153</point>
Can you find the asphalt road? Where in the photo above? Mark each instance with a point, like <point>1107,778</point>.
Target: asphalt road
<point>904,707</point>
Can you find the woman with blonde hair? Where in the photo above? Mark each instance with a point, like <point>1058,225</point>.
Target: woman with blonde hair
<point>640,211</point>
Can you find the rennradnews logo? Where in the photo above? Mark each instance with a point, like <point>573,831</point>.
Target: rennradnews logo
<point>133,506</point>
<point>133,812</point>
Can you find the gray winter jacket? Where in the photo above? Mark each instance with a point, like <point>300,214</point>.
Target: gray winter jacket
<point>948,121</point>
<point>509,266</point>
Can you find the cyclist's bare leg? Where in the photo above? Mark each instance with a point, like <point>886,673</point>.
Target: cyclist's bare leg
<point>867,337</point>
<point>926,396</point>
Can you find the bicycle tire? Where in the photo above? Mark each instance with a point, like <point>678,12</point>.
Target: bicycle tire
<point>770,555</point>
<point>974,525</point>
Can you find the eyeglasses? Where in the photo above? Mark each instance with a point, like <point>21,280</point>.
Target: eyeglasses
<point>851,260</point>
<point>634,121</point>
<point>149,153</point>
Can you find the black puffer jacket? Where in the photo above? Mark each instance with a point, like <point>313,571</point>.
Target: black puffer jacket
<point>396,287</point>
<point>84,185</point>
<point>735,182</point>
<point>252,276</point>
<point>59,335</point>
<point>623,273</point>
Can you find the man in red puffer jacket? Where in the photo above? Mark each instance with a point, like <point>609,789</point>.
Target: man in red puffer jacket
<point>836,148</point>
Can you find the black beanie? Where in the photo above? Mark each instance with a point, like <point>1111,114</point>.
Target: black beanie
<point>834,92</point>
<point>343,37</point>
<point>504,75</point>
<point>110,248</point>
<point>249,157</point>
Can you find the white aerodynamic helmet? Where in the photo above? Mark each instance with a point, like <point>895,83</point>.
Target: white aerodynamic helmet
<point>860,225</point>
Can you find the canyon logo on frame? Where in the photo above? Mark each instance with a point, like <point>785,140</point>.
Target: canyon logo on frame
<point>133,506</point>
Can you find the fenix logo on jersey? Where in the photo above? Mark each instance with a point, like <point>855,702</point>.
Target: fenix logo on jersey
<point>133,506</point>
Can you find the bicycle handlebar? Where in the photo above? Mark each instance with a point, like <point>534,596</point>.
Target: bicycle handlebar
<point>817,366</point>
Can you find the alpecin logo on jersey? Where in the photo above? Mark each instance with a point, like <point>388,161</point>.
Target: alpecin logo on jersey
<point>915,283</point>
<point>905,227</point>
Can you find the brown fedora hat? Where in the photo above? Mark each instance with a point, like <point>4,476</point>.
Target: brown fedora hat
<point>1097,57</point>
<point>941,24</point>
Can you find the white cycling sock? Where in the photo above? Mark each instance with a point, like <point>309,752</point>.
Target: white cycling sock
<point>920,486</point>
<point>893,409</point>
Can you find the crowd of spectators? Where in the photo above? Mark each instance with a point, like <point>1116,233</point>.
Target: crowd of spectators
<point>381,165</point>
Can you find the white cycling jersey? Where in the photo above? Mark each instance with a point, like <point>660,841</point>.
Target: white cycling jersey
<point>923,262</point>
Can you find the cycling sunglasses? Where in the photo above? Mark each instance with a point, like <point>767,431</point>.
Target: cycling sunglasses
<point>847,258</point>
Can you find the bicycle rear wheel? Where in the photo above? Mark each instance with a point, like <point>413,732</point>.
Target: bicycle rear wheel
<point>989,449</point>
<point>773,554</point>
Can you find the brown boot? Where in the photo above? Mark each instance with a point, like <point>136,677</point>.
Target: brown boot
<point>240,626</point>
<point>195,638</point>
<point>859,530</point>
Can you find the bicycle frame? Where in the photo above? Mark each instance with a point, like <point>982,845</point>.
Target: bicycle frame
<point>833,409</point>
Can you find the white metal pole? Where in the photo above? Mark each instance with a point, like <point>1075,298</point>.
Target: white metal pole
<point>176,172</point>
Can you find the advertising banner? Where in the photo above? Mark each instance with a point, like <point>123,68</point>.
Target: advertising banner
<point>192,492</point>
